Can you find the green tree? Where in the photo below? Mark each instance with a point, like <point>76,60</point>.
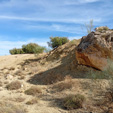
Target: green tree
<point>38,50</point>
<point>16,51</point>
<point>32,48</point>
<point>57,41</point>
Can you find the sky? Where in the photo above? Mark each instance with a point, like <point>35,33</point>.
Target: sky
<point>25,21</point>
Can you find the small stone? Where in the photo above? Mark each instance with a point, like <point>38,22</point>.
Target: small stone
<point>9,77</point>
<point>1,88</point>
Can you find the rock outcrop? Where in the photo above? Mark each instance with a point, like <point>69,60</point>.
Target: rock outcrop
<point>95,48</point>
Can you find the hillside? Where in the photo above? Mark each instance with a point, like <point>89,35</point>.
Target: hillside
<point>55,75</point>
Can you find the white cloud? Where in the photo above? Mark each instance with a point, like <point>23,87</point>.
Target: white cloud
<point>88,1</point>
<point>69,20</point>
<point>62,15</point>
<point>78,2</point>
<point>59,27</point>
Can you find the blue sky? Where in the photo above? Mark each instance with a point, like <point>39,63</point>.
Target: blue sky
<point>25,21</point>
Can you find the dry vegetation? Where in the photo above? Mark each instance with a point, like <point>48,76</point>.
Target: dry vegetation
<point>6,107</point>
<point>66,84</point>
<point>32,101</point>
<point>14,85</point>
<point>73,101</point>
<point>62,85</point>
<point>33,91</point>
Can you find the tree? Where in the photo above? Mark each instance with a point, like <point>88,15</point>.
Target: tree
<point>16,51</point>
<point>57,41</point>
<point>31,48</point>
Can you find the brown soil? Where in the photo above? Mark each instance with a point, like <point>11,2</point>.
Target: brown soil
<point>52,72</point>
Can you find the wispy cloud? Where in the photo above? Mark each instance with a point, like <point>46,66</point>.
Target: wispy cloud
<point>58,27</point>
<point>69,20</point>
<point>45,18</point>
<point>78,2</point>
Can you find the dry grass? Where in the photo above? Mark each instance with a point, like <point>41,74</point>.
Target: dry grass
<point>19,99</point>
<point>14,85</point>
<point>16,99</point>
<point>33,91</point>
<point>66,84</point>
<point>6,107</point>
<point>100,29</point>
<point>32,101</point>
<point>73,101</point>
<point>51,78</point>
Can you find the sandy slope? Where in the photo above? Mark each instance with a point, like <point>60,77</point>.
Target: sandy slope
<point>13,60</point>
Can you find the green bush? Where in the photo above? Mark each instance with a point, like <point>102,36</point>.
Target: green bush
<point>16,51</point>
<point>73,101</point>
<point>38,50</point>
<point>30,48</point>
<point>57,41</point>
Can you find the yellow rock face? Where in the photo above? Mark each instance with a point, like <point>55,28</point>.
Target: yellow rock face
<point>91,60</point>
<point>95,49</point>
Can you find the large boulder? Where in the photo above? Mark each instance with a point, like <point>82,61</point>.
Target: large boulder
<point>95,49</point>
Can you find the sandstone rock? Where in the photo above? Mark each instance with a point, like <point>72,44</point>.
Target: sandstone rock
<point>95,49</point>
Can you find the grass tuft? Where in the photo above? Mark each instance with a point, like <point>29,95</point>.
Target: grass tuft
<point>14,85</point>
<point>73,101</point>
<point>33,91</point>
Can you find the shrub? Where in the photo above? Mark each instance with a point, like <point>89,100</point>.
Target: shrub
<point>19,99</point>
<point>62,86</point>
<point>38,50</point>
<point>66,84</point>
<point>73,101</point>
<point>32,101</point>
<point>33,91</point>
<point>107,73</point>
<point>50,79</point>
<point>57,41</point>
<point>14,85</point>
<point>32,48</point>
<point>29,48</point>
<point>16,51</point>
